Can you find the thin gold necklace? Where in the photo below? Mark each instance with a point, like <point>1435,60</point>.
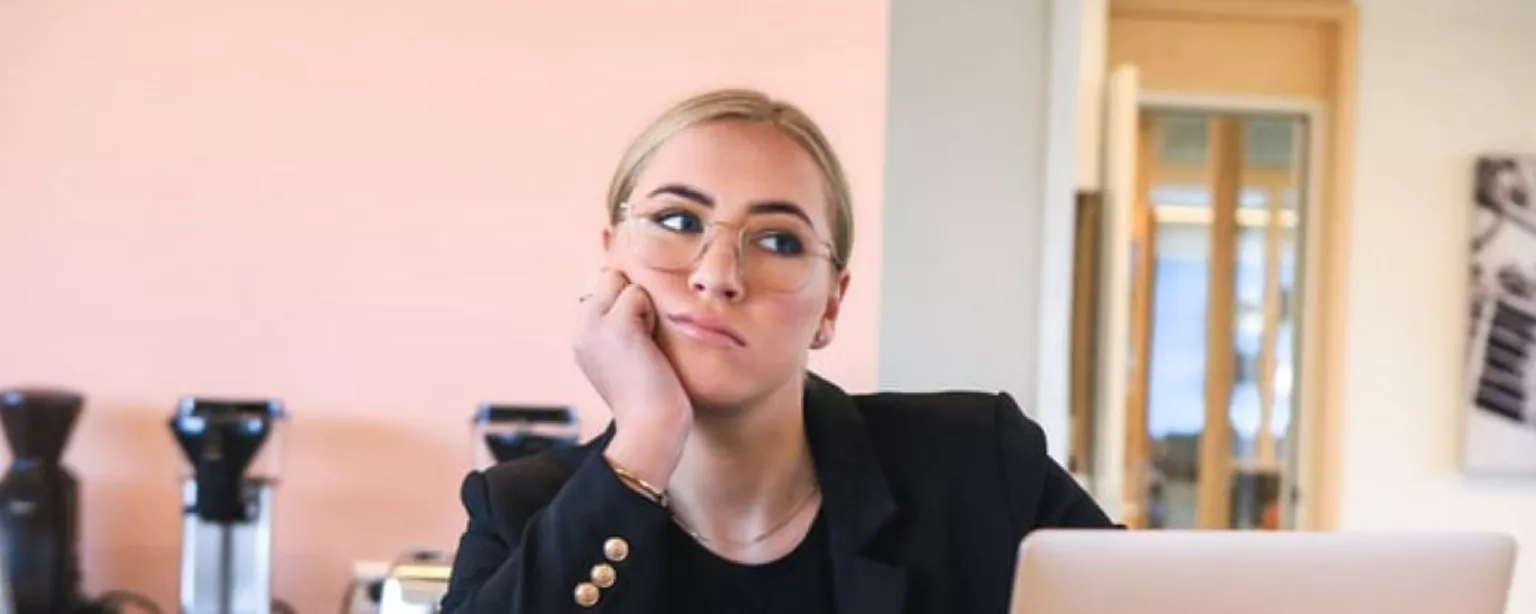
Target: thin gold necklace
<point>765,535</point>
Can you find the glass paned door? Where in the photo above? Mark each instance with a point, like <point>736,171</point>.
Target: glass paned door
<point>1212,403</point>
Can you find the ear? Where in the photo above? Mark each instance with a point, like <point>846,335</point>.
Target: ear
<point>610,255</point>
<point>827,328</point>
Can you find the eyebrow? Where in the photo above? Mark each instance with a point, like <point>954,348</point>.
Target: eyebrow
<point>691,193</point>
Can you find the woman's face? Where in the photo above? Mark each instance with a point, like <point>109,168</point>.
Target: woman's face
<point>737,320</point>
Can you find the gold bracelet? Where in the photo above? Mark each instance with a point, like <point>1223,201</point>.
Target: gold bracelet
<point>656,495</point>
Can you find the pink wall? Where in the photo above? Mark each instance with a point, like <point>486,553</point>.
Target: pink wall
<point>380,212</point>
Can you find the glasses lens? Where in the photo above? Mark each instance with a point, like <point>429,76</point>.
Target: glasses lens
<point>667,235</point>
<point>779,255</point>
<point>776,253</point>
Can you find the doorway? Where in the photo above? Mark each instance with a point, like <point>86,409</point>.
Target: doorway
<point>1206,309</point>
<point>1212,437</point>
<point>1198,411</point>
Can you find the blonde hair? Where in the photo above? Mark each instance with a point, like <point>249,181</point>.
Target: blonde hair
<point>741,105</point>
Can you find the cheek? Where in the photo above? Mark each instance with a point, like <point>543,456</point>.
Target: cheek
<point>618,252</point>
<point>662,286</point>
<point>668,291</point>
<point>790,318</point>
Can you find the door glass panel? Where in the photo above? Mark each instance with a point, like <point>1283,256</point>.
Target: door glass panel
<point>1179,189</point>
<point>1253,475</point>
<point>1176,386</point>
<point>1261,394</point>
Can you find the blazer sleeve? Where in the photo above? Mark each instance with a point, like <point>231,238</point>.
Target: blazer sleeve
<point>520,558</point>
<point>1041,493</point>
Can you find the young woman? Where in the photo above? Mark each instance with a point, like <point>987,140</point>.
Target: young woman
<point>731,480</point>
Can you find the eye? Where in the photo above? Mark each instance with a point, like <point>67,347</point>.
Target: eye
<point>780,242</point>
<point>679,221</point>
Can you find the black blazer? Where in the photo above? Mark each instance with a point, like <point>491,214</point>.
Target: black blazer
<point>927,497</point>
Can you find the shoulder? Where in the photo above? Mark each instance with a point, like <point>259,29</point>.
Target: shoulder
<point>976,451</point>
<point>947,451</point>
<point>929,440</point>
<point>949,421</point>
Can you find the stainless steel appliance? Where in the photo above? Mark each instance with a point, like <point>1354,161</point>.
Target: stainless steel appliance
<point>416,583</point>
<point>232,452</point>
<point>418,579</point>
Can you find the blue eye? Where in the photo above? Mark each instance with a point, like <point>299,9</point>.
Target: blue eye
<point>679,221</point>
<point>782,243</point>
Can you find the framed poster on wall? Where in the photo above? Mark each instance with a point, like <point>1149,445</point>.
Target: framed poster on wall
<point>1500,433</point>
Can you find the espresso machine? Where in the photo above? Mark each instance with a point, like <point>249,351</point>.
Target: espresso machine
<point>40,505</point>
<point>232,453</point>
<point>418,579</point>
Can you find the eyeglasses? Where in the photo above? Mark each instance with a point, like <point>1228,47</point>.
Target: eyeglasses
<point>775,252</point>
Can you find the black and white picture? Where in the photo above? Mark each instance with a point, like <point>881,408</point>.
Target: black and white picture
<point>1501,371</point>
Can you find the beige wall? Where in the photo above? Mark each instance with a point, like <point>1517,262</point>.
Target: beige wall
<point>380,212</point>
<point>1441,81</point>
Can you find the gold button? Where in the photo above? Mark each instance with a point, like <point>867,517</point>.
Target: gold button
<point>586,594</point>
<point>617,549</point>
<point>604,576</point>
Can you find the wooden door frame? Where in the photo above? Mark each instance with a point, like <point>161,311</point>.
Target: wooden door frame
<point>1143,297</point>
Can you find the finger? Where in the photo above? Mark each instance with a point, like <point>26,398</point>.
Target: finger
<point>634,304</point>
<point>604,291</point>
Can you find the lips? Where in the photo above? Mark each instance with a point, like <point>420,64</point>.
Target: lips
<point>708,329</point>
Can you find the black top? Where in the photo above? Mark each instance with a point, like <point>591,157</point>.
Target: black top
<point>700,582</point>
<point>925,498</point>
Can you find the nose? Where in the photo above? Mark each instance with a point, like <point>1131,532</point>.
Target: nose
<point>717,273</point>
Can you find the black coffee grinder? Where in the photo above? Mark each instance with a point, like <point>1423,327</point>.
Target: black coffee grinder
<point>39,503</point>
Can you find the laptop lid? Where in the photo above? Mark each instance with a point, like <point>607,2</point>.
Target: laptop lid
<point>1253,572</point>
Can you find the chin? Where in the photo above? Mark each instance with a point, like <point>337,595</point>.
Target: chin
<point>715,385</point>
<point>712,383</point>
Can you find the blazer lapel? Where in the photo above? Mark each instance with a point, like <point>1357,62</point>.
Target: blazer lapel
<point>856,500</point>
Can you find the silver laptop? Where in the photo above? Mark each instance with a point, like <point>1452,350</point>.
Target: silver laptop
<point>1250,572</point>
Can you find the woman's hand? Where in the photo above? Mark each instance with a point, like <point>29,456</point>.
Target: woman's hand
<point>617,351</point>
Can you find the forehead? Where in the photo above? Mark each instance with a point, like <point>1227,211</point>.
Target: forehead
<point>738,164</point>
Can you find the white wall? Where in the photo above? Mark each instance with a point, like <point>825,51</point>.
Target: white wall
<point>1074,42</point>
<point>965,160</point>
<point>1441,81</point>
